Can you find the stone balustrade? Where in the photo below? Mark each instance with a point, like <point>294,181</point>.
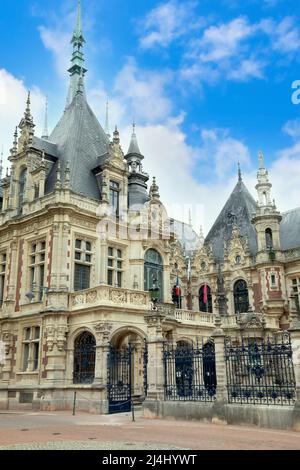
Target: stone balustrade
<point>104,295</point>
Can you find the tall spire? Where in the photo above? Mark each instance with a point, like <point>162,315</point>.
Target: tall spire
<point>77,69</point>
<point>27,113</point>
<point>1,163</point>
<point>78,29</point>
<point>261,160</point>
<point>239,173</point>
<point>263,186</point>
<point>45,132</point>
<point>190,218</point>
<point>107,119</point>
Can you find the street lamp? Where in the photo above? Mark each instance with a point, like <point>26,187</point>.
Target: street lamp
<point>154,293</point>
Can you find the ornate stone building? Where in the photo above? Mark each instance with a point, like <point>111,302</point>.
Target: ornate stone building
<point>82,241</point>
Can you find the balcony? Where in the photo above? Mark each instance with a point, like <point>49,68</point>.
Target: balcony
<point>108,296</point>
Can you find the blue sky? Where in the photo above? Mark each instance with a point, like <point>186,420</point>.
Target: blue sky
<point>208,82</point>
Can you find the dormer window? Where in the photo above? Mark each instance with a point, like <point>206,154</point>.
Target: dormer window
<point>114,197</point>
<point>22,186</point>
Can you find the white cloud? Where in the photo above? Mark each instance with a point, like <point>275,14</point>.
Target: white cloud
<point>143,93</point>
<point>284,175</point>
<point>292,128</point>
<point>223,52</point>
<point>167,22</point>
<point>224,41</point>
<point>58,43</point>
<point>239,50</point>
<point>283,35</point>
<point>220,153</point>
<point>13,96</point>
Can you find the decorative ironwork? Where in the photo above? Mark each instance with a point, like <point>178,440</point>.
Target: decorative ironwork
<point>260,371</point>
<point>145,367</point>
<point>190,372</point>
<point>119,379</point>
<point>84,359</point>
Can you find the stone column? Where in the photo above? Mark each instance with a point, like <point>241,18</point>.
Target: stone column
<point>295,340</point>
<point>55,332</point>
<point>219,411</point>
<point>155,395</point>
<point>102,350</point>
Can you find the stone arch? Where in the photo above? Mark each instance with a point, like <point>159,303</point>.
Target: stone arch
<point>84,358</point>
<point>184,342</point>
<point>120,339</point>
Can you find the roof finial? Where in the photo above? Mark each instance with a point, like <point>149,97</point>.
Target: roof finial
<point>27,110</point>
<point>134,146</point>
<point>107,119</point>
<point>190,218</point>
<point>45,132</point>
<point>77,69</point>
<point>116,138</point>
<point>154,190</point>
<point>239,172</point>
<point>78,29</point>
<point>261,159</point>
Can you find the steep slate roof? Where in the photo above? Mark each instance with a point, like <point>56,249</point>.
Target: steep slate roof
<point>80,140</point>
<point>290,229</point>
<point>42,144</point>
<point>242,205</point>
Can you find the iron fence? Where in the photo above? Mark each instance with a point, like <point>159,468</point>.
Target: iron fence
<point>189,372</point>
<point>260,371</point>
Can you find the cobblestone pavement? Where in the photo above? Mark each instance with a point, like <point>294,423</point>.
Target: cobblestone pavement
<point>85,445</point>
<point>61,430</point>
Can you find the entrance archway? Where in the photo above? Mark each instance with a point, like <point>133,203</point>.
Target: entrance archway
<point>135,341</point>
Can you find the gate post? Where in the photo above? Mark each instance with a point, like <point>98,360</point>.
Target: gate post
<point>218,336</point>
<point>294,331</point>
<point>102,349</point>
<point>155,394</point>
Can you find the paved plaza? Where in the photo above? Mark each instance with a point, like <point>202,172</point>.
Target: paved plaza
<point>61,430</point>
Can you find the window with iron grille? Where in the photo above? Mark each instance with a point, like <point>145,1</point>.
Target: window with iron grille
<point>241,296</point>
<point>37,257</point>
<point>114,267</point>
<point>83,257</point>
<point>2,275</point>
<point>31,349</point>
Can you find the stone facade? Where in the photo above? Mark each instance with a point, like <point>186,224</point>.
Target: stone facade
<point>71,265</point>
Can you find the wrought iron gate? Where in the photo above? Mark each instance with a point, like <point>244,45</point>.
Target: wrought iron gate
<point>190,372</point>
<point>119,379</point>
<point>260,371</point>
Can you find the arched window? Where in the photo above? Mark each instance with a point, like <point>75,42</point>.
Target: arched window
<point>153,271</point>
<point>241,297</point>
<point>205,299</point>
<point>269,239</point>
<point>22,186</point>
<point>84,359</point>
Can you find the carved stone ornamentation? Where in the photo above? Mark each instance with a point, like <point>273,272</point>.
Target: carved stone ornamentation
<point>103,331</point>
